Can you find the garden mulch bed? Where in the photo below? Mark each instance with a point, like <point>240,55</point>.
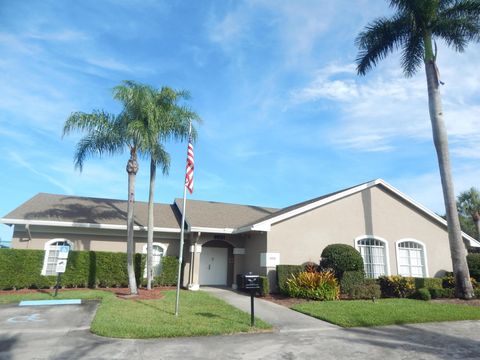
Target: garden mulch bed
<point>122,293</point>
<point>284,300</point>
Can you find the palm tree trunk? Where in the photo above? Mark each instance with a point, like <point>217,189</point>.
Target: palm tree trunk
<point>153,174</point>
<point>463,287</point>
<point>132,168</point>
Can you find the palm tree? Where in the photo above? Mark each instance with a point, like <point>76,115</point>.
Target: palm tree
<point>468,203</point>
<point>413,29</point>
<point>163,118</point>
<point>112,134</point>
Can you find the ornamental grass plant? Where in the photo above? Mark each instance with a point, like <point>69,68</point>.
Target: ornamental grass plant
<point>313,285</point>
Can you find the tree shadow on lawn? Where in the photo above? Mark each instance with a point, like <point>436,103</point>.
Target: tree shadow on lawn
<point>444,340</point>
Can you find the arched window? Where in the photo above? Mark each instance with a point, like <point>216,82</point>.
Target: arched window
<point>158,252</point>
<point>375,256</point>
<point>52,248</point>
<point>411,258</point>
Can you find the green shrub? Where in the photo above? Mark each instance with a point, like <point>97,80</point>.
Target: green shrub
<point>396,286</point>
<point>351,279</point>
<point>436,293</point>
<point>448,281</point>
<point>21,269</point>
<point>169,273</point>
<point>341,258</point>
<point>473,261</point>
<point>284,272</point>
<point>429,283</point>
<point>264,286</point>
<point>315,286</point>
<point>367,289</point>
<point>477,293</point>
<point>422,294</point>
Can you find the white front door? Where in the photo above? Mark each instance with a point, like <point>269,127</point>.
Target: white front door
<point>213,266</point>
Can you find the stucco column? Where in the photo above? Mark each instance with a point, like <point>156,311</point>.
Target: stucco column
<point>238,258</point>
<point>195,252</point>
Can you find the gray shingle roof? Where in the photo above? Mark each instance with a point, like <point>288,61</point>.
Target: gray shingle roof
<point>50,207</point>
<point>222,215</point>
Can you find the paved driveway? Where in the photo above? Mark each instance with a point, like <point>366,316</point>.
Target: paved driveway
<point>61,332</point>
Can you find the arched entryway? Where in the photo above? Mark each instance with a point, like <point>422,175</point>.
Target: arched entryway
<point>216,263</point>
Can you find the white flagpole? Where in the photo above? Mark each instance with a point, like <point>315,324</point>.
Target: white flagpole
<point>182,234</point>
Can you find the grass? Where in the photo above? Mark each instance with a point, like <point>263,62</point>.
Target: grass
<point>199,314</point>
<point>386,312</point>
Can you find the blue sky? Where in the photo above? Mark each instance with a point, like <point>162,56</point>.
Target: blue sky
<point>285,116</point>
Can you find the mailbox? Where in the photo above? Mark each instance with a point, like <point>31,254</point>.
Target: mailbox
<point>248,282</point>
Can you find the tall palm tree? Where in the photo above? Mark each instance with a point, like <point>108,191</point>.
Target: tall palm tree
<point>163,119</point>
<point>413,29</point>
<point>112,134</point>
<point>468,203</point>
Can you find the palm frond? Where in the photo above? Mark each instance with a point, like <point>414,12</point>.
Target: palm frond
<point>456,33</point>
<point>380,38</point>
<point>412,54</point>
<point>80,121</point>
<point>460,9</point>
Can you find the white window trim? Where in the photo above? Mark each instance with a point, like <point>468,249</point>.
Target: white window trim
<point>397,253</point>
<point>163,246</point>
<point>46,247</point>
<point>387,251</point>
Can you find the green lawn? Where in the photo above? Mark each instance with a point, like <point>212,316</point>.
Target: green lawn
<point>200,314</point>
<point>386,312</point>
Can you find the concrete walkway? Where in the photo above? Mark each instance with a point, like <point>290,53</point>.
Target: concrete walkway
<point>282,318</point>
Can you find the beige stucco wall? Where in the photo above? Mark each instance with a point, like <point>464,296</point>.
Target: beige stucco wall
<point>255,243</point>
<point>85,239</point>
<point>374,211</point>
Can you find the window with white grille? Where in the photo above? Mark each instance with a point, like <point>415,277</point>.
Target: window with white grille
<point>52,248</point>
<point>411,258</point>
<point>157,254</point>
<point>374,256</point>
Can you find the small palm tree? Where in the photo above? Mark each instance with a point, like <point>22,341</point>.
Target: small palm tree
<point>112,134</point>
<point>413,29</point>
<point>468,204</point>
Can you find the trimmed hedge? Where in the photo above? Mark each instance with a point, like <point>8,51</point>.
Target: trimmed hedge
<point>422,294</point>
<point>368,289</point>
<point>169,274</point>
<point>436,293</point>
<point>429,283</point>
<point>264,286</point>
<point>284,272</point>
<point>341,258</point>
<point>351,279</point>
<point>473,261</point>
<point>21,269</point>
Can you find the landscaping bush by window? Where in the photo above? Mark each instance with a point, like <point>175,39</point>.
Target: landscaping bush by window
<point>341,258</point>
<point>422,294</point>
<point>436,293</point>
<point>429,283</point>
<point>21,269</point>
<point>169,274</point>
<point>473,261</point>
<point>313,285</point>
<point>396,286</point>
<point>284,272</point>
<point>351,279</point>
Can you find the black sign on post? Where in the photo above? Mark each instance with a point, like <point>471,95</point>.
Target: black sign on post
<point>252,283</point>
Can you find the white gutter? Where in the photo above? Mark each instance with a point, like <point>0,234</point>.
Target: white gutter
<point>212,230</point>
<point>83,225</point>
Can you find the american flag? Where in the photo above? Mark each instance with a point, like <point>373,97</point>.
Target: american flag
<point>190,166</point>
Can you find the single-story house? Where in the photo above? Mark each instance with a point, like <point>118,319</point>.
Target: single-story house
<point>394,234</point>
